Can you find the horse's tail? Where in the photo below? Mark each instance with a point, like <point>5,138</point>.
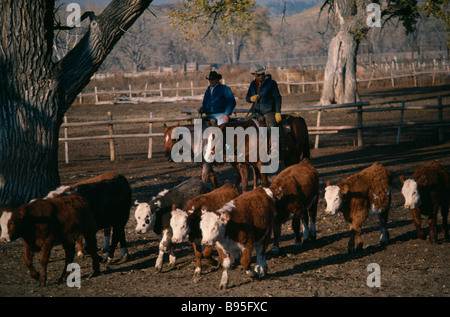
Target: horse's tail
<point>306,151</point>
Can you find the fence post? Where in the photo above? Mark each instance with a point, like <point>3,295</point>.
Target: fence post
<point>414,74</point>
<point>288,86</point>
<point>160,90</point>
<point>316,143</point>
<point>192,89</point>
<point>317,83</point>
<point>360,123</point>
<point>303,85</point>
<point>112,153</point>
<point>178,84</point>
<point>440,117</point>
<point>150,139</point>
<point>96,94</point>
<point>400,122</point>
<point>66,143</point>
<point>129,89</point>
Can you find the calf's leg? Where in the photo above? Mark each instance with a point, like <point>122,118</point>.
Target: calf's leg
<point>69,249</point>
<point>417,222</point>
<point>45,256</point>
<point>383,218</point>
<point>28,259</point>
<point>444,213</point>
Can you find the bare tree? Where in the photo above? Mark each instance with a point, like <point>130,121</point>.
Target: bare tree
<point>350,20</point>
<point>35,91</point>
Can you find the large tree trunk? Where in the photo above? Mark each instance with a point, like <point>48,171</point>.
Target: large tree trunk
<point>340,71</point>
<point>35,92</point>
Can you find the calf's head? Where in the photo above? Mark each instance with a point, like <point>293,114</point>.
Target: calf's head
<point>212,226</point>
<point>179,225</point>
<point>145,217</point>
<point>410,193</point>
<point>15,225</point>
<point>333,197</point>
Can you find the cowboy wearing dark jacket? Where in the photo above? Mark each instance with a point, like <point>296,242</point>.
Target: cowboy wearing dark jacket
<point>265,96</point>
<point>218,101</point>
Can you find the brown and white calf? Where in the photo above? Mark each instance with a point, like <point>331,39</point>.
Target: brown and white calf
<point>425,193</point>
<point>241,225</point>
<point>357,196</point>
<point>5,211</point>
<point>44,223</point>
<point>155,215</point>
<point>185,223</point>
<point>297,192</point>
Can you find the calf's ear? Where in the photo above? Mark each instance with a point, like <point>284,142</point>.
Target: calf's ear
<point>402,178</point>
<point>328,183</point>
<point>345,190</point>
<point>224,218</point>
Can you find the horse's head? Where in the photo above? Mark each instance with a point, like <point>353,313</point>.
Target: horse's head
<point>168,141</point>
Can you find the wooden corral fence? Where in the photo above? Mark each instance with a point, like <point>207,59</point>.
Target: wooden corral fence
<point>138,95</point>
<point>111,136</point>
<point>359,108</point>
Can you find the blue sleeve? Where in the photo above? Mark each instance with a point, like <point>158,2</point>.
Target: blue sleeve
<point>206,98</point>
<point>230,102</point>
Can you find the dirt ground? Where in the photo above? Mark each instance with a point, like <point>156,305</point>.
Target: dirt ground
<point>409,267</point>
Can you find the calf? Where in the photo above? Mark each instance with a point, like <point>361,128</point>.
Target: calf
<point>297,190</point>
<point>44,223</point>
<point>156,214</point>
<point>357,196</point>
<point>110,202</point>
<point>237,227</point>
<point>185,223</point>
<point>5,212</point>
<point>425,193</point>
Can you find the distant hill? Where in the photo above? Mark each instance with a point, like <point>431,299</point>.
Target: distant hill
<point>275,6</point>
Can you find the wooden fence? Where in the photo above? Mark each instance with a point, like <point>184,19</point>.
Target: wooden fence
<point>138,95</point>
<point>111,136</point>
<point>190,114</point>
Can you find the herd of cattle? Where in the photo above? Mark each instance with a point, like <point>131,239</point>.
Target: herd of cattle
<point>233,223</point>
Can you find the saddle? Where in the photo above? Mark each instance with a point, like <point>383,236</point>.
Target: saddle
<point>285,129</point>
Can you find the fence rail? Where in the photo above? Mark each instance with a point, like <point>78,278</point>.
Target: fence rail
<point>140,95</point>
<point>190,114</point>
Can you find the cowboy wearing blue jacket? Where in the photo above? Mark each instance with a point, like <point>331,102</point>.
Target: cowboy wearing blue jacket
<point>218,101</point>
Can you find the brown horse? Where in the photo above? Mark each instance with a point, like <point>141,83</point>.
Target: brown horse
<point>296,144</point>
<point>169,142</point>
<point>207,168</point>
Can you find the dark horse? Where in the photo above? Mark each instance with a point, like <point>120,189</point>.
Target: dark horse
<point>296,147</point>
<point>207,168</point>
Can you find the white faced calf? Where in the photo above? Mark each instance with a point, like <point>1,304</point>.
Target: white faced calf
<point>179,225</point>
<point>145,218</point>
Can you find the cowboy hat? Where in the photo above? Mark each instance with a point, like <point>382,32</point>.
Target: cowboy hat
<point>258,69</point>
<point>214,75</point>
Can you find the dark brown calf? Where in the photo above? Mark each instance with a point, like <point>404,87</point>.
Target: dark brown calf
<point>357,196</point>
<point>297,192</point>
<point>425,193</point>
<point>44,223</point>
